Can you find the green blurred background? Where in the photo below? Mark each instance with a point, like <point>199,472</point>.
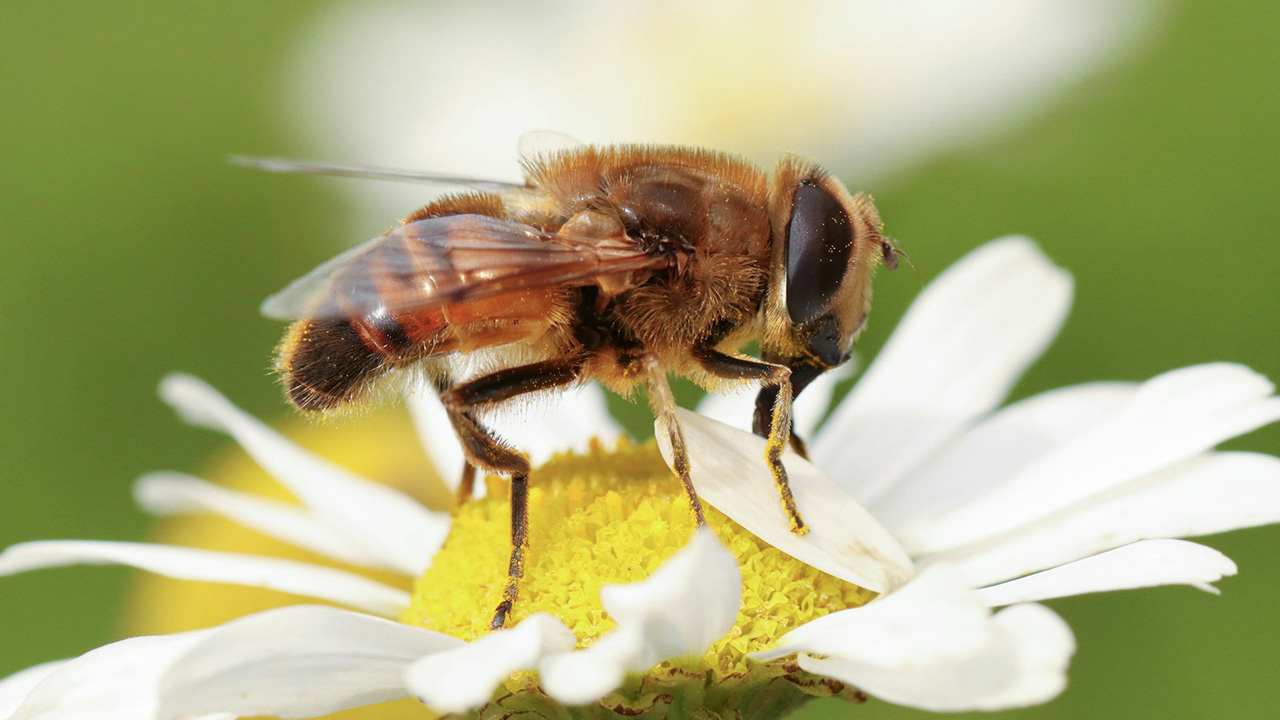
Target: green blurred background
<point>131,249</point>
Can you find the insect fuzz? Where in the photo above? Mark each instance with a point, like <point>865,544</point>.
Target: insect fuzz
<point>617,264</point>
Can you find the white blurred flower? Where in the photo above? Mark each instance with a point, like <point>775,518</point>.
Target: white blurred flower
<point>866,87</point>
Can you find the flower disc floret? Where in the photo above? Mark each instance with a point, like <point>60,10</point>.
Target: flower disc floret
<point>611,517</point>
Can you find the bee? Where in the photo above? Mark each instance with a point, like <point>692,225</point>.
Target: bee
<point>616,264</point>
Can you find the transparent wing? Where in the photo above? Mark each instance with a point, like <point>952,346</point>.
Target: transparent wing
<point>453,259</point>
<point>532,145</point>
<point>307,167</point>
<point>542,143</point>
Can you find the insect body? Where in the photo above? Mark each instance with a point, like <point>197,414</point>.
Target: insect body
<point>617,264</point>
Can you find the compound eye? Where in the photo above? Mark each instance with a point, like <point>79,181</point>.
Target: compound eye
<point>819,246</point>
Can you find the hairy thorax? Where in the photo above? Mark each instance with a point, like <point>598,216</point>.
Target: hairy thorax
<point>714,224</point>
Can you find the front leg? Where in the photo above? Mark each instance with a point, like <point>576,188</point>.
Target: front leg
<point>763,418</point>
<point>776,380</point>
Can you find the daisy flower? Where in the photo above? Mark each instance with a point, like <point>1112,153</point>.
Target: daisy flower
<point>929,508</point>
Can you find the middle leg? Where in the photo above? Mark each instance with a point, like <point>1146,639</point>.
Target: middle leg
<point>664,406</point>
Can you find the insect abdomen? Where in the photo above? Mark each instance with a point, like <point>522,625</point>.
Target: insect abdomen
<point>327,363</point>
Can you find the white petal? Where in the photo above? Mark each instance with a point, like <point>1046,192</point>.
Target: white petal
<point>386,524</point>
<point>1143,564</point>
<point>844,540</point>
<point>1170,418</point>
<point>736,406</point>
<point>456,680</point>
<point>178,494</point>
<point>934,618</point>
<point>681,609</point>
<point>295,662</point>
<point>1025,664</point>
<point>210,566</point>
<point>435,432</point>
<point>934,644</point>
<point>687,603</point>
<point>114,682</point>
<point>1212,493</point>
<point>959,349</point>
<point>15,688</point>
<point>996,448</point>
<point>560,422</point>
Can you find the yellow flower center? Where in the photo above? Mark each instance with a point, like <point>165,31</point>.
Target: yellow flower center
<point>599,518</point>
<point>606,517</point>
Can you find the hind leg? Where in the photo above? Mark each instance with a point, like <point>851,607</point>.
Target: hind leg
<point>486,450</point>
<point>467,477</point>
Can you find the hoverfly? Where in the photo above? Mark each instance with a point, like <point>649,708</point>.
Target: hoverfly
<point>617,264</point>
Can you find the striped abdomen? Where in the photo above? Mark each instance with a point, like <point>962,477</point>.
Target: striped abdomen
<point>327,363</point>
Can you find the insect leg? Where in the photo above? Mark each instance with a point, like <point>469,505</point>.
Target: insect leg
<point>466,483</point>
<point>664,408</point>
<point>797,443</point>
<point>467,479</point>
<point>763,418</point>
<point>486,450</point>
<point>776,395</point>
